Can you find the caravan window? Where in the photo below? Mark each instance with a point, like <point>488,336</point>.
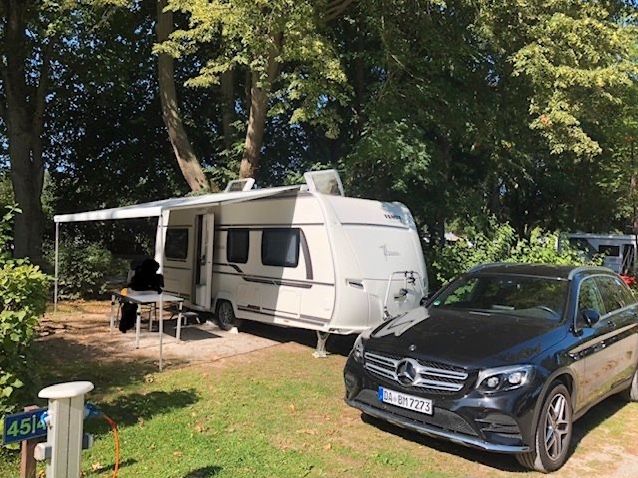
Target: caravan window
<point>176,244</point>
<point>608,250</point>
<point>237,246</point>
<point>280,247</point>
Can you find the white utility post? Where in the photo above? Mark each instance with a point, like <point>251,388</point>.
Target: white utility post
<point>57,267</point>
<point>63,448</point>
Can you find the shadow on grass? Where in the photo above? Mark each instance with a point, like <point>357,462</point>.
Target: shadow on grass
<point>337,344</point>
<point>129,409</point>
<point>64,358</point>
<point>110,468</point>
<point>498,461</point>
<point>582,427</point>
<point>203,472</point>
<point>594,418</point>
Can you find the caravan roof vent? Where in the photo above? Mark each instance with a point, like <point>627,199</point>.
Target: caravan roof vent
<point>239,185</point>
<point>324,182</point>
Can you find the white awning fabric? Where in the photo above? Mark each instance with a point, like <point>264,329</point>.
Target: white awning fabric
<point>155,208</point>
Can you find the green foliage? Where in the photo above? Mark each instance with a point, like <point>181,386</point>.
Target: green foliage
<point>461,109</point>
<point>85,267</point>
<point>501,244</point>
<point>245,34</point>
<point>576,57</point>
<point>395,153</point>
<point>23,294</point>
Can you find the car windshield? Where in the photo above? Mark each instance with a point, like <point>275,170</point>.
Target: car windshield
<point>540,297</point>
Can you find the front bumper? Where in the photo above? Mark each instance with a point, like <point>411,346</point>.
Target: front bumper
<point>500,424</point>
<point>459,438</point>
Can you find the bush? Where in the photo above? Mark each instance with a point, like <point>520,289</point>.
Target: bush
<point>501,244</point>
<point>84,268</point>
<point>23,296</point>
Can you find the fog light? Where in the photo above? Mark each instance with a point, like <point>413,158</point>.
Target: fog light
<point>352,385</point>
<point>492,382</point>
<point>515,378</point>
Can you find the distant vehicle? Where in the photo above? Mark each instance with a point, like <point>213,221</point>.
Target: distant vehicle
<point>619,251</point>
<point>299,256</point>
<point>503,359</point>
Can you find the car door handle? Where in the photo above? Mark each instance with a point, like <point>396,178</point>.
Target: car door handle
<point>599,347</point>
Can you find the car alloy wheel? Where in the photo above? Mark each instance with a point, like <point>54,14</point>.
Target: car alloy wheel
<point>557,427</point>
<point>553,433</point>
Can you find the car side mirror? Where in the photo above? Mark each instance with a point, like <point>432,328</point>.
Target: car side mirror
<point>590,316</point>
<point>427,298</point>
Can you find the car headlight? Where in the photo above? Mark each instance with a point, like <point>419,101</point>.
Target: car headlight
<point>358,349</point>
<point>504,378</point>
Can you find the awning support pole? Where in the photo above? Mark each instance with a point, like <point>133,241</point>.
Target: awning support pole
<point>57,250</point>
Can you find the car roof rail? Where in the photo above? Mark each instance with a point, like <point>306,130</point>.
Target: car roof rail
<point>485,266</point>
<point>579,269</point>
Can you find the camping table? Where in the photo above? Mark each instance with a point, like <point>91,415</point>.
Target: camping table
<point>148,297</point>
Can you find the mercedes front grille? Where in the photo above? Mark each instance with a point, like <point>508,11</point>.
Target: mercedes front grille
<point>429,376</point>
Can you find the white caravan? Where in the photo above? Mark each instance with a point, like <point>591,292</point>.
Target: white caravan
<point>619,250</point>
<point>301,256</point>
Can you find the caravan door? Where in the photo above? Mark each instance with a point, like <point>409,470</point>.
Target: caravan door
<point>203,267</point>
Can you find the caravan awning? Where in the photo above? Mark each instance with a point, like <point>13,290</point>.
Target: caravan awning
<point>155,208</point>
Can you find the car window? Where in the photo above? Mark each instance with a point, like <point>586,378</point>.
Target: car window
<point>461,294</point>
<point>510,294</point>
<point>628,294</point>
<point>589,297</point>
<point>612,292</point>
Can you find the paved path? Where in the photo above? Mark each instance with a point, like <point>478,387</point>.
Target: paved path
<point>88,323</point>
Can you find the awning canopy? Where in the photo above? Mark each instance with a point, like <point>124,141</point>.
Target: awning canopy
<point>155,208</point>
<point>159,209</point>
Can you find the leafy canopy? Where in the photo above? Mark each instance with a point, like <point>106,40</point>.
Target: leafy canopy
<point>251,35</point>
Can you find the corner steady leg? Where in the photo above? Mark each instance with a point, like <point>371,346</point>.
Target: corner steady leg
<point>320,352</point>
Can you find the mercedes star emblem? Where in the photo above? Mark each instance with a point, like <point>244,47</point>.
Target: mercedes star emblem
<point>407,371</point>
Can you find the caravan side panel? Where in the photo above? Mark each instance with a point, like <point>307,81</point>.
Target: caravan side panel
<point>286,277</point>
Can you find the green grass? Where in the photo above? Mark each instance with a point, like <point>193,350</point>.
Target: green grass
<point>273,413</point>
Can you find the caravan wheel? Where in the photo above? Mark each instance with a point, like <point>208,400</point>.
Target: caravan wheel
<point>226,315</point>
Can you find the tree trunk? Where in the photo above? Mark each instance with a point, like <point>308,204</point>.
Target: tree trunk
<point>228,107</point>
<point>24,116</point>
<point>633,194</point>
<point>259,92</point>
<point>255,130</point>
<point>186,158</point>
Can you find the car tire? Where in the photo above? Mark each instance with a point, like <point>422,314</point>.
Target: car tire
<point>553,434</point>
<point>631,394</point>
<point>225,314</point>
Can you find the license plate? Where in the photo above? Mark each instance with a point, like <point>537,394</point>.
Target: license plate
<point>403,400</point>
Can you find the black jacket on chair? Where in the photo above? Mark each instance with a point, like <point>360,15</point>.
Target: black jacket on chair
<point>145,278</point>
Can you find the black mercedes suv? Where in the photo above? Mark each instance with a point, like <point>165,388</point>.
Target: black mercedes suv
<point>504,359</point>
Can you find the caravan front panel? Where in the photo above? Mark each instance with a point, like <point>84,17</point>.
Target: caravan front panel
<point>379,258</point>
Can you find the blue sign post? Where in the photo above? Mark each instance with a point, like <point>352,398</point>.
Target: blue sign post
<point>24,426</point>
